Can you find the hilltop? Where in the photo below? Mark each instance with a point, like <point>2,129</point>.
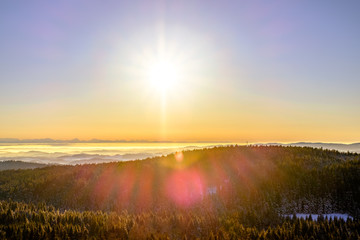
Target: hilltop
<point>8,165</point>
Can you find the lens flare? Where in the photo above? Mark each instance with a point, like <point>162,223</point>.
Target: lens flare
<point>179,156</point>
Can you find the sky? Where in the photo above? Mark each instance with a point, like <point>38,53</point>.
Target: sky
<point>257,71</point>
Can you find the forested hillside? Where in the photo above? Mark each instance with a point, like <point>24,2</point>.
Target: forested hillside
<point>227,192</point>
<point>8,165</point>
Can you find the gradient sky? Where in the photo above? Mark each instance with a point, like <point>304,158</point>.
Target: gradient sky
<point>252,71</point>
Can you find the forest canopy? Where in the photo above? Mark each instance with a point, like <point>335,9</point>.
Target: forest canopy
<point>234,191</point>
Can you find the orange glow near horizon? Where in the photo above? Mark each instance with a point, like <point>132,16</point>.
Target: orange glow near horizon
<point>187,114</point>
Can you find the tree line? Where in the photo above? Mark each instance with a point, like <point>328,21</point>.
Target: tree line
<point>29,221</point>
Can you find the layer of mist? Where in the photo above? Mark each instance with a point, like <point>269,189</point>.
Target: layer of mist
<point>72,153</point>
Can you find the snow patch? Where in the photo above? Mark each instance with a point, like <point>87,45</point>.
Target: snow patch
<point>343,216</point>
<point>211,190</point>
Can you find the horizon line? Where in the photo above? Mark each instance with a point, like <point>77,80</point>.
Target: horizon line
<point>95,140</point>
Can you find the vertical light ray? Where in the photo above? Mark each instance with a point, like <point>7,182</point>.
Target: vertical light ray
<point>160,52</point>
<point>163,114</point>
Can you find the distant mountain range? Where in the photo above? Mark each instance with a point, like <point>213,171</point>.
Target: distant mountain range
<point>75,140</point>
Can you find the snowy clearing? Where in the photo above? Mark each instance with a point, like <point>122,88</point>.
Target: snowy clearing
<point>316,216</point>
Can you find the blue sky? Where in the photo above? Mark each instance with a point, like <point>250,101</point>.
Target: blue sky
<point>299,58</point>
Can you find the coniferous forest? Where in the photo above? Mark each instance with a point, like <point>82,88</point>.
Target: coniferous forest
<point>234,192</point>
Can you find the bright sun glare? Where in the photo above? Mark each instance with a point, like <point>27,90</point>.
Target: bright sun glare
<point>163,75</point>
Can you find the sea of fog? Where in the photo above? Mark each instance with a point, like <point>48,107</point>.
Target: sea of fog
<point>81,153</point>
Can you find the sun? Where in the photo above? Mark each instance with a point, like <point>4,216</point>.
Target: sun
<point>163,75</point>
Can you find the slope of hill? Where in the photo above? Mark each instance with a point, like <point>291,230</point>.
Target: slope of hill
<point>285,179</point>
<point>352,147</point>
<point>8,165</point>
